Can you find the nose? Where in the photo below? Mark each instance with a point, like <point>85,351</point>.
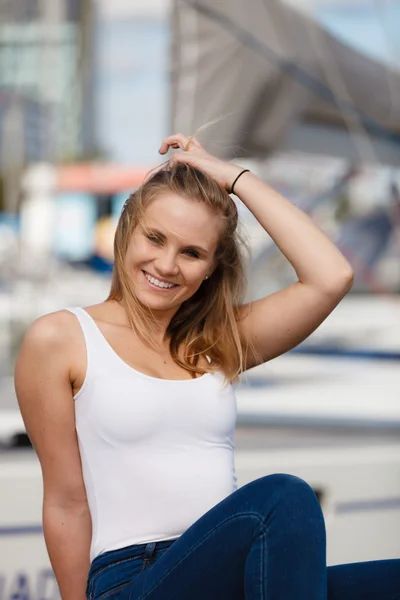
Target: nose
<point>165,264</point>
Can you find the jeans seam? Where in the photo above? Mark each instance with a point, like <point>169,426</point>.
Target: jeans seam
<point>265,558</point>
<point>251,514</point>
<point>113,590</point>
<point>262,569</point>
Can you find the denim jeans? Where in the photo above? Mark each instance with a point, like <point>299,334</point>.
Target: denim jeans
<point>265,541</point>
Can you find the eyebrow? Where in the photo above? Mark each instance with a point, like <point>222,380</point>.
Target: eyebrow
<point>163,237</point>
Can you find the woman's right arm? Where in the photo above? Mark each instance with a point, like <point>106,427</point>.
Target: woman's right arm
<point>43,388</point>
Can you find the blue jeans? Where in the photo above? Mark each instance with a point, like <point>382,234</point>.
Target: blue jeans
<point>265,541</point>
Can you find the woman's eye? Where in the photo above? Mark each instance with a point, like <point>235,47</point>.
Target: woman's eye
<point>156,240</point>
<point>192,253</point>
<point>152,238</point>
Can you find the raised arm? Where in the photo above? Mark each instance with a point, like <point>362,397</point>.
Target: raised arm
<point>282,320</point>
<point>44,394</point>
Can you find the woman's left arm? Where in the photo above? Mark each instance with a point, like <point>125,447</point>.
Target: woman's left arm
<point>283,319</point>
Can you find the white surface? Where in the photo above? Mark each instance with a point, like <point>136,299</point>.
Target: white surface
<point>320,388</point>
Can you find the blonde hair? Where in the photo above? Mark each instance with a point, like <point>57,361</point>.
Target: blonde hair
<point>206,323</point>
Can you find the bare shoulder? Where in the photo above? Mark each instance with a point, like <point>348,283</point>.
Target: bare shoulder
<point>53,330</point>
<point>54,335</point>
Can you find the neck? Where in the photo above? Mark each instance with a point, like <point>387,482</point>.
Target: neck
<point>160,324</point>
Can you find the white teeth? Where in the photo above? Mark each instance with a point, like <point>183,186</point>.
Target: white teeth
<point>161,284</point>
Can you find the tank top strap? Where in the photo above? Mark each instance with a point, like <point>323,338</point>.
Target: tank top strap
<point>96,345</point>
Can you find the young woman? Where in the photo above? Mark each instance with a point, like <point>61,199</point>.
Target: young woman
<point>130,407</point>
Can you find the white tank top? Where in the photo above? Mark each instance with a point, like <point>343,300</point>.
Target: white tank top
<point>156,454</point>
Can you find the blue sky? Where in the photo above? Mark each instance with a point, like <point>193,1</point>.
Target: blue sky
<point>371,27</point>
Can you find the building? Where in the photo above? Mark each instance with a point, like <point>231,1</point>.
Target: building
<point>44,80</point>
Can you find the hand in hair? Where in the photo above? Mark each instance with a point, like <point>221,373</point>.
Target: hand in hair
<point>196,156</point>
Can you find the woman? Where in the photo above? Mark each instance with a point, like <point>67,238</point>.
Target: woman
<point>139,482</point>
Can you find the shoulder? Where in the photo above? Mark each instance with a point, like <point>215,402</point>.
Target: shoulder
<point>51,329</point>
<point>50,333</point>
<point>47,350</point>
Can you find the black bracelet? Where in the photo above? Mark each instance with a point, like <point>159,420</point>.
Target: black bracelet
<point>241,173</point>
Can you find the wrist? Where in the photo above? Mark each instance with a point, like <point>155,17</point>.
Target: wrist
<point>232,172</point>
<point>232,189</point>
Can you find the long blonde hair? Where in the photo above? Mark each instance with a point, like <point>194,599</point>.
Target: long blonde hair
<point>206,323</point>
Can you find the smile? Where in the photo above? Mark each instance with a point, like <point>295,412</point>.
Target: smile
<point>162,285</point>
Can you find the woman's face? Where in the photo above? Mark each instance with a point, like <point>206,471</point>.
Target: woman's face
<point>171,253</point>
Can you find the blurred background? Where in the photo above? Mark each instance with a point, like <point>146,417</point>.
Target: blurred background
<point>305,93</point>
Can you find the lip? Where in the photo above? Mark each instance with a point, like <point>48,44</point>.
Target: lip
<point>155,287</point>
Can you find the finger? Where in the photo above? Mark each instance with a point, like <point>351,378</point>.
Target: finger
<point>165,147</point>
<point>177,158</point>
<point>178,140</point>
<point>172,161</point>
<point>181,158</point>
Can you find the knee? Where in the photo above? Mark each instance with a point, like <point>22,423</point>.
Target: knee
<point>296,513</point>
<point>290,484</point>
<point>287,507</point>
<point>293,494</point>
